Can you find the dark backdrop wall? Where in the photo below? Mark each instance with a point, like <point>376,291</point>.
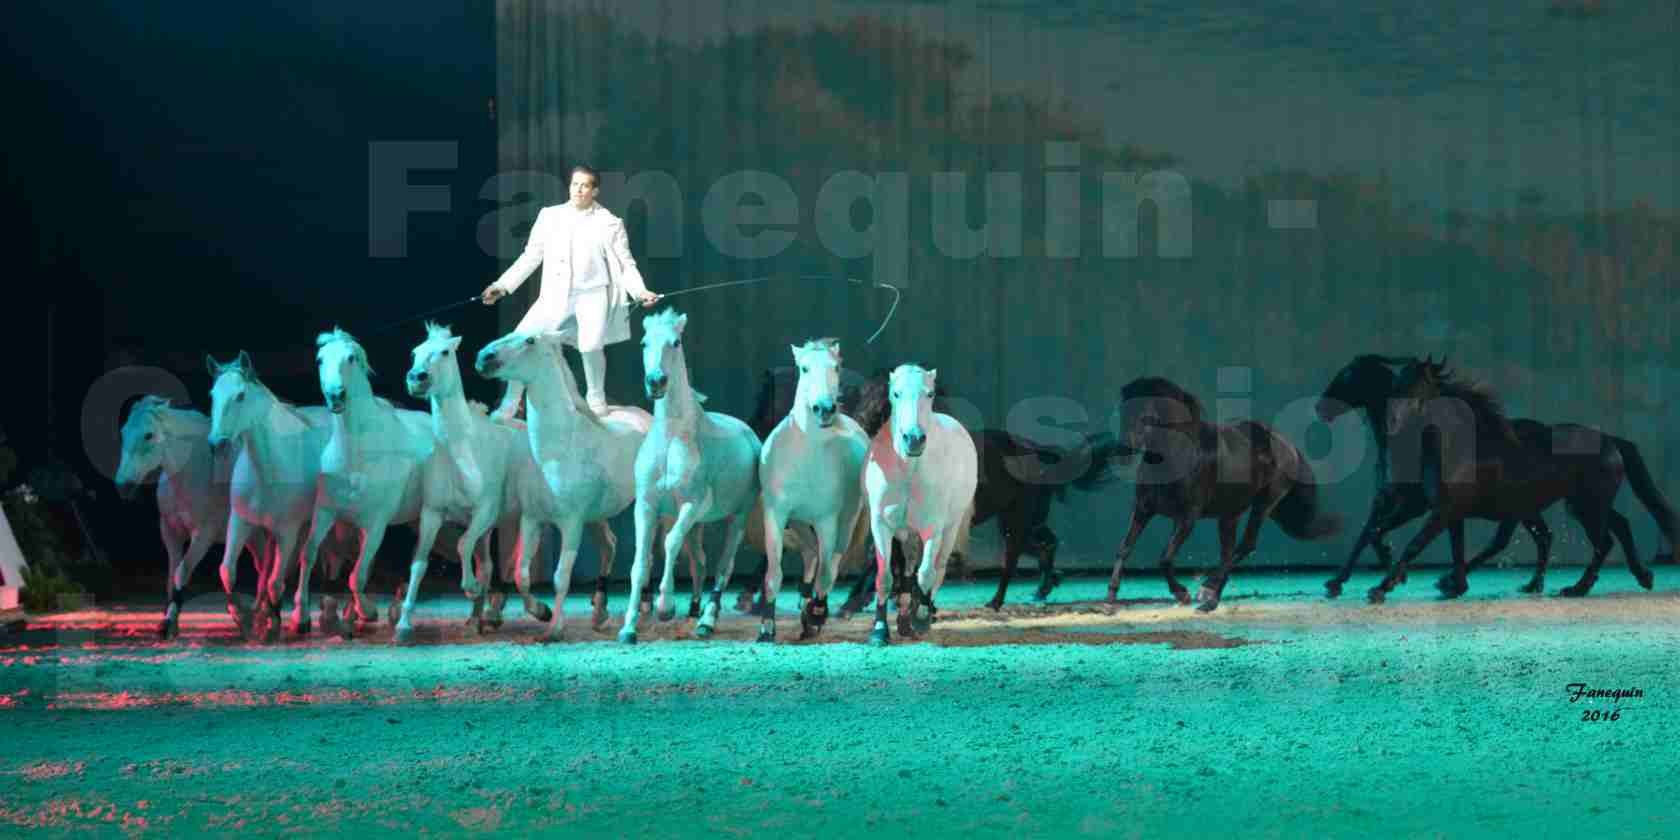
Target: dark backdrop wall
<point>192,178</point>
<point>1237,197</point>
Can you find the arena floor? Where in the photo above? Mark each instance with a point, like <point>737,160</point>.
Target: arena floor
<point>1280,715</point>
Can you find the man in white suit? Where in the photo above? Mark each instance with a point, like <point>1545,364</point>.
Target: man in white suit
<point>588,279</point>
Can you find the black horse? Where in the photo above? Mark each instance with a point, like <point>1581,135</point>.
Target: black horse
<point>1195,470</point>
<point>1474,465</point>
<point>1366,384</point>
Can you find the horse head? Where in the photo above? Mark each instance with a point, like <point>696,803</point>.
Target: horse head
<point>910,393</point>
<point>818,395</point>
<point>1365,382</point>
<point>145,439</point>
<point>342,367</point>
<point>435,369</point>
<point>1417,383</point>
<point>662,354</point>
<point>236,398</point>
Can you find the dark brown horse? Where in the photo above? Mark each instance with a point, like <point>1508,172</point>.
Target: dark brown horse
<point>1192,469</point>
<point>1474,465</point>
<point>1366,384</point>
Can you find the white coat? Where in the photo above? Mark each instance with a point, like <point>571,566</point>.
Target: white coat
<point>589,277</point>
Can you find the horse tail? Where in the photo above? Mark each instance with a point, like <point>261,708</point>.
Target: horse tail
<point>1639,475</point>
<point>1104,451</point>
<point>1301,513</point>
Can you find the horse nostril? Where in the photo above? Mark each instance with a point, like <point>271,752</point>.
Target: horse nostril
<point>421,377</point>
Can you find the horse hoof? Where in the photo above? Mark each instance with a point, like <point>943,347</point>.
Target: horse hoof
<point>743,603</point>
<point>1208,605</point>
<point>393,613</point>
<point>703,631</point>
<point>541,612</point>
<point>168,629</point>
<point>1576,591</point>
<point>1376,595</point>
<point>402,636</point>
<point>879,637</point>
<point>670,613</point>
<point>626,637</point>
<point>767,635</point>
<point>493,616</point>
<point>997,603</point>
<point>555,636</point>
<point>1182,596</point>
<point>1645,580</point>
<point>302,628</point>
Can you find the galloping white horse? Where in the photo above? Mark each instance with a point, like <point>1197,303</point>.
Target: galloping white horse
<point>192,490</point>
<point>700,466</point>
<point>809,473</point>
<point>370,474</point>
<point>920,478</point>
<point>471,481</point>
<point>584,462</point>
<point>274,476</point>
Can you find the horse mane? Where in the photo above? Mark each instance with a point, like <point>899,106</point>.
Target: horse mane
<point>1482,397</point>
<point>667,318</point>
<point>873,406</point>
<point>1157,387</point>
<point>436,331</point>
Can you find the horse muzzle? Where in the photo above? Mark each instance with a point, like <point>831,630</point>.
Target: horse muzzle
<point>824,415</point>
<point>655,386</point>
<point>419,385</point>
<point>126,490</point>
<point>915,443</point>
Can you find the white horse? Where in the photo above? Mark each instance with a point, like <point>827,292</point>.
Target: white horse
<point>809,473</point>
<point>192,490</point>
<point>471,480</point>
<point>272,488</point>
<point>920,479</point>
<point>370,475</point>
<point>584,462</point>
<point>700,466</point>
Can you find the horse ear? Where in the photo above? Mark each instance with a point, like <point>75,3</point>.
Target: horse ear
<point>795,349</point>
<point>834,349</point>
<point>682,321</point>
<point>245,363</point>
<point>455,342</point>
<point>932,377</point>
<point>211,365</point>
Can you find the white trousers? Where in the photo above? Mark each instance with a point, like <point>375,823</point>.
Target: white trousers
<point>594,378</point>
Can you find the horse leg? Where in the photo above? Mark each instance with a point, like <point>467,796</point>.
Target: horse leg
<point>879,635</point>
<point>1013,536</point>
<point>638,571</point>
<point>1432,528</point>
<point>813,614</point>
<point>571,531</point>
<point>1384,508</point>
<point>474,544</point>
<point>695,548</point>
<point>675,536</point>
<point>910,622</point>
<point>321,526</point>
<point>1460,570</point>
<point>1044,543</point>
<point>282,548</point>
<point>530,539</point>
<point>430,521</point>
<point>606,546</point>
<point>1140,518</point>
<point>774,523</point>
<point>366,612</point>
<point>1624,534</point>
<point>1591,516</point>
<point>1211,589</point>
<point>1449,585</point>
<point>238,531</point>
<point>173,538</point>
<point>1541,533</point>
<point>1181,532</point>
<point>735,532</point>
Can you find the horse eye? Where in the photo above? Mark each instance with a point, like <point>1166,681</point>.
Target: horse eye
<point>677,343</point>
<point>804,369</point>
<point>447,352</point>
<point>531,340</point>
<point>151,436</point>
<point>240,398</point>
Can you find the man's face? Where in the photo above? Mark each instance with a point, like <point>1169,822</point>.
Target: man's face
<point>583,189</point>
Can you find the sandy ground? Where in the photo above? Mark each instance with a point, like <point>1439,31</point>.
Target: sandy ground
<point>1280,715</point>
